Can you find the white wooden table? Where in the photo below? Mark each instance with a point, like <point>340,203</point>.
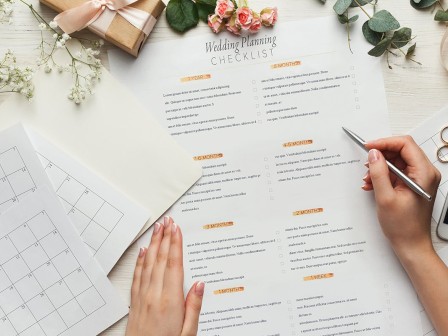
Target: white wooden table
<point>414,92</point>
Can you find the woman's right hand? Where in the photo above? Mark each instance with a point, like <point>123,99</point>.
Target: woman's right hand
<point>405,217</point>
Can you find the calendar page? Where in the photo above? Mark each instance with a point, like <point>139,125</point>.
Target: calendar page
<point>49,282</point>
<point>20,170</point>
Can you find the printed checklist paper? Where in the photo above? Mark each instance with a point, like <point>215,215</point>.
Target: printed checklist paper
<point>49,283</point>
<point>107,221</point>
<point>278,226</point>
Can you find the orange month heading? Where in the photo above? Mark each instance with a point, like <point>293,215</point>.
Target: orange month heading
<point>217,225</point>
<point>318,276</point>
<point>208,157</point>
<point>298,143</point>
<point>286,64</point>
<point>195,78</point>
<point>228,290</point>
<point>307,211</point>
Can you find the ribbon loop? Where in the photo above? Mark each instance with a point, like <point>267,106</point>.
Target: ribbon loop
<point>79,17</point>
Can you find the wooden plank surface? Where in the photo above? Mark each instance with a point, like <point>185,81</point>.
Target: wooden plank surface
<point>414,92</point>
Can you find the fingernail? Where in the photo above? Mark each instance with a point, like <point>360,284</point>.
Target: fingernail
<point>366,164</point>
<point>156,228</point>
<point>142,251</point>
<point>364,187</point>
<point>199,288</point>
<point>174,228</point>
<point>373,155</point>
<point>166,221</point>
<point>365,177</point>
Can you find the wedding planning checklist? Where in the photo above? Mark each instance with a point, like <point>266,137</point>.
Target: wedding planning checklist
<point>278,226</point>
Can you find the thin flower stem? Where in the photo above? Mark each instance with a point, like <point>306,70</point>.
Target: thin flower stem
<point>360,6</point>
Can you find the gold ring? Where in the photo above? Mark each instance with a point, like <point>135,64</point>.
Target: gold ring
<point>440,157</point>
<point>445,129</point>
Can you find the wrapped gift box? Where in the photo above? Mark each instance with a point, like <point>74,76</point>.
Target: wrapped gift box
<point>119,32</point>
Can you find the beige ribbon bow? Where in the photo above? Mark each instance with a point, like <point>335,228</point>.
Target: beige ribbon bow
<point>99,14</point>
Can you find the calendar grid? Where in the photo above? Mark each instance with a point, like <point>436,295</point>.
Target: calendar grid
<point>15,179</point>
<point>40,233</point>
<point>93,216</point>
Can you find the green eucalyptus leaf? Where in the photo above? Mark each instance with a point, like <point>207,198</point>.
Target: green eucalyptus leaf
<point>361,2</point>
<point>422,3</point>
<point>441,16</point>
<point>182,15</point>
<point>411,50</point>
<point>343,19</point>
<point>371,36</point>
<point>401,37</point>
<point>204,11</point>
<point>383,21</point>
<point>341,6</point>
<point>354,18</point>
<point>381,47</point>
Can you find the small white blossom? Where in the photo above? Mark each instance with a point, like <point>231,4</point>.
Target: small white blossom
<point>14,78</point>
<point>42,26</point>
<point>48,68</point>
<point>55,35</point>
<point>66,37</point>
<point>53,24</point>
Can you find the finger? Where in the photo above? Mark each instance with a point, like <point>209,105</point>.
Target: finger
<point>367,187</point>
<point>393,178</point>
<point>135,289</point>
<point>158,272</point>
<point>379,173</point>
<point>174,274</point>
<point>150,257</point>
<point>193,306</point>
<point>405,145</point>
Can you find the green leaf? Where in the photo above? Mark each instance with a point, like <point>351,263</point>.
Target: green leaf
<point>361,2</point>
<point>441,16</point>
<point>420,4</point>
<point>401,37</point>
<point>207,2</point>
<point>411,50</point>
<point>204,11</point>
<point>341,6</point>
<point>182,15</point>
<point>343,19</point>
<point>354,18</point>
<point>381,47</point>
<point>383,21</point>
<point>371,36</point>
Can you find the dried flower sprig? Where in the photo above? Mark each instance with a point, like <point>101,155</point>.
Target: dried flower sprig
<point>14,78</point>
<point>6,10</point>
<point>84,64</point>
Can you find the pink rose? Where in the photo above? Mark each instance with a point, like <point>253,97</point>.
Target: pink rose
<point>224,8</point>
<point>232,26</point>
<point>256,24</point>
<point>244,17</point>
<point>269,16</point>
<point>215,23</point>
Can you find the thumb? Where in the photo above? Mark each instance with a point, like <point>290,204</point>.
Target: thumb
<point>193,306</point>
<point>379,172</point>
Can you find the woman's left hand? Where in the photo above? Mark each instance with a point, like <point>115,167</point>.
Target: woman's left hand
<point>158,307</point>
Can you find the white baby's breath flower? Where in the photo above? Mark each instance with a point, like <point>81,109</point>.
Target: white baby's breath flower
<point>48,68</point>
<point>55,35</point>
<point>14,78</point>
<point>59,44</point>
<point>42,26</point>
<point>66,37</point>
<point>53,24</point>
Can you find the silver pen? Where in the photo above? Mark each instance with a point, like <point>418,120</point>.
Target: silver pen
<point>411,184</point>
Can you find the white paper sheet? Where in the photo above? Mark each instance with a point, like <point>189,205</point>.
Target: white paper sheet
<point>107,221</point>
<point>49,283</point>
<point>427,135</point>
<point>20,169</point>
<point>112,135</point>
<point>428,328</point>
<point>278,226</point>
